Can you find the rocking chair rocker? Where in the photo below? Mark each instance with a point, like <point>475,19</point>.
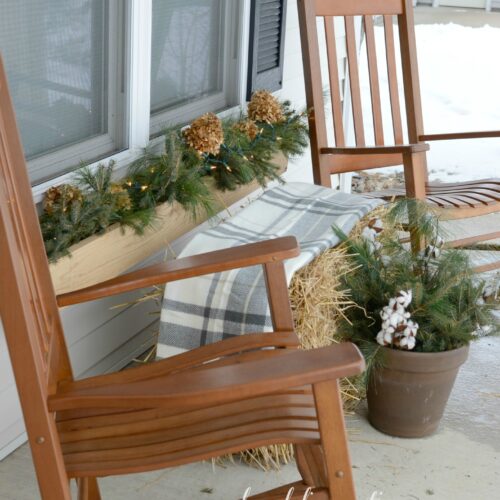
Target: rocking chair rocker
<point>248,391</point>
<point>452,201</point>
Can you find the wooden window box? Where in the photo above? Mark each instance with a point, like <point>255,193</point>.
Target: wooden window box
<point>107,255</point>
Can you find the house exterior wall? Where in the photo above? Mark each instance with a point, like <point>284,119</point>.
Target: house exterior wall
<point>102,339</point>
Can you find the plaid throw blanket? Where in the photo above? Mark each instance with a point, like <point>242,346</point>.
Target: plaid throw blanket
<point>207,309</point>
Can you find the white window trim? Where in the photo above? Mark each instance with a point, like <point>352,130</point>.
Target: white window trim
<point>138,97</point>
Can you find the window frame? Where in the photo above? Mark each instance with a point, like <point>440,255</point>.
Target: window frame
<point>135,82</point>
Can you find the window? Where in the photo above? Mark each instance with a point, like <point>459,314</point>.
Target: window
<point>92,78</point>
<point>61,67</point>
<point>190,60</point>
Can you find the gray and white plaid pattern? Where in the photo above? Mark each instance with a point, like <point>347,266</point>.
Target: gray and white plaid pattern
<point>207,309</point>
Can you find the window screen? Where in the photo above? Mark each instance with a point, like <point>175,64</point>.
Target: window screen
<point>56,54</point>
<point>187,51</point>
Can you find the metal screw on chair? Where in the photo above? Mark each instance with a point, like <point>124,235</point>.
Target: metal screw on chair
<point>40,440</point>
<point>339,474</point>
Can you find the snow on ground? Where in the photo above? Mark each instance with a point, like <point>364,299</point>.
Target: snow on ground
<point>460,85</point>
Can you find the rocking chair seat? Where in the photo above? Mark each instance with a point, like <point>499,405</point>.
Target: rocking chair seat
<point>456,199</point>
<point>114,443</point>
<point>99,441</point>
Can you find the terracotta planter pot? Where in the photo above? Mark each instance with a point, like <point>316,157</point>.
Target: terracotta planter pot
<point>408,394</point>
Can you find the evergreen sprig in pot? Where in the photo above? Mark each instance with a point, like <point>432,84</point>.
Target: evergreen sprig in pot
<point>414,315</point>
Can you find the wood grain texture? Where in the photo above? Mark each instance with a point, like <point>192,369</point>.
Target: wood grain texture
<point>354,83</point>
<point>252,254</point>
<point>293,491</point>
<point>314,89</point>
<point>371,50</point>
<point>357,8</point>
<point>392,76</point>
<point>377,150</point>
<point>217,385</point>
<point>28,308</point>
<point>334,445</point>
<point>461,135</point>
<point>333,73</point>
<point>105,256</point>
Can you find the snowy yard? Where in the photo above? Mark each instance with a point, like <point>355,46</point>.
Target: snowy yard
<point>460,85</point>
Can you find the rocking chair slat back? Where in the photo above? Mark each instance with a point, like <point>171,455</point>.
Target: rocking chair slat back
<point>27,300</point>
<point>379,85</point>
<point>31,291</point>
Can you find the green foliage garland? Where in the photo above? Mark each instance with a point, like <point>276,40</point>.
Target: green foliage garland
<point>175,174</point>
<point>102,203</point>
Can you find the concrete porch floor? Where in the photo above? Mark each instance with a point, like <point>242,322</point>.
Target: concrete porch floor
<point>460,462</point>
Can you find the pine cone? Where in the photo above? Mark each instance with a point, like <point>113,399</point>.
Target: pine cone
<point>249,128</point>
<point>205,134</point>
<point>264,107</point>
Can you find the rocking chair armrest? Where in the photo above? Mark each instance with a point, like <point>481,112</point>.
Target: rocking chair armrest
<point>377,150</point>
<point>262,252</point>
<point>460,135</point>
<point>218,385</point>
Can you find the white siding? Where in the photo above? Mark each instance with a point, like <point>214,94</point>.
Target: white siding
<point>101,339</point>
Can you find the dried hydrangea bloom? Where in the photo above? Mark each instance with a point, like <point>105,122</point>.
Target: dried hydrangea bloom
<point>63,195</point>
<point>264,107</point>
<point>205,134</point>
<point>248,127</point>
<point>122,198</point>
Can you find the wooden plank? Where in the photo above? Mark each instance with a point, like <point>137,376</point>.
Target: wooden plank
<point>485,134</point>
<point>352,57</point>
<point>357,8</point>
<point>293,491</point>
<point>371,50</point>
<point>217,261</point>
<point>28,307</point>
<point>390,52</point>
<point>314,89</point>
<point>333,439</point>
<point>105,256</point>
<point>333,70</point>
<point>411,81</point>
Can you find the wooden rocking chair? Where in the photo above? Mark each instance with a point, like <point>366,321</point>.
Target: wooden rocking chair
<point>248,391</point>
<point>453,201</point>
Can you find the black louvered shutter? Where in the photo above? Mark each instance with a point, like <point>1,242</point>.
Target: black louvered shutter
<point>267,45</point>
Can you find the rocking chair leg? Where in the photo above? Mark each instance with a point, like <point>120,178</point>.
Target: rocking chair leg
<point>311,464</point>
<point>334,441</point>
<point>88,489</point>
